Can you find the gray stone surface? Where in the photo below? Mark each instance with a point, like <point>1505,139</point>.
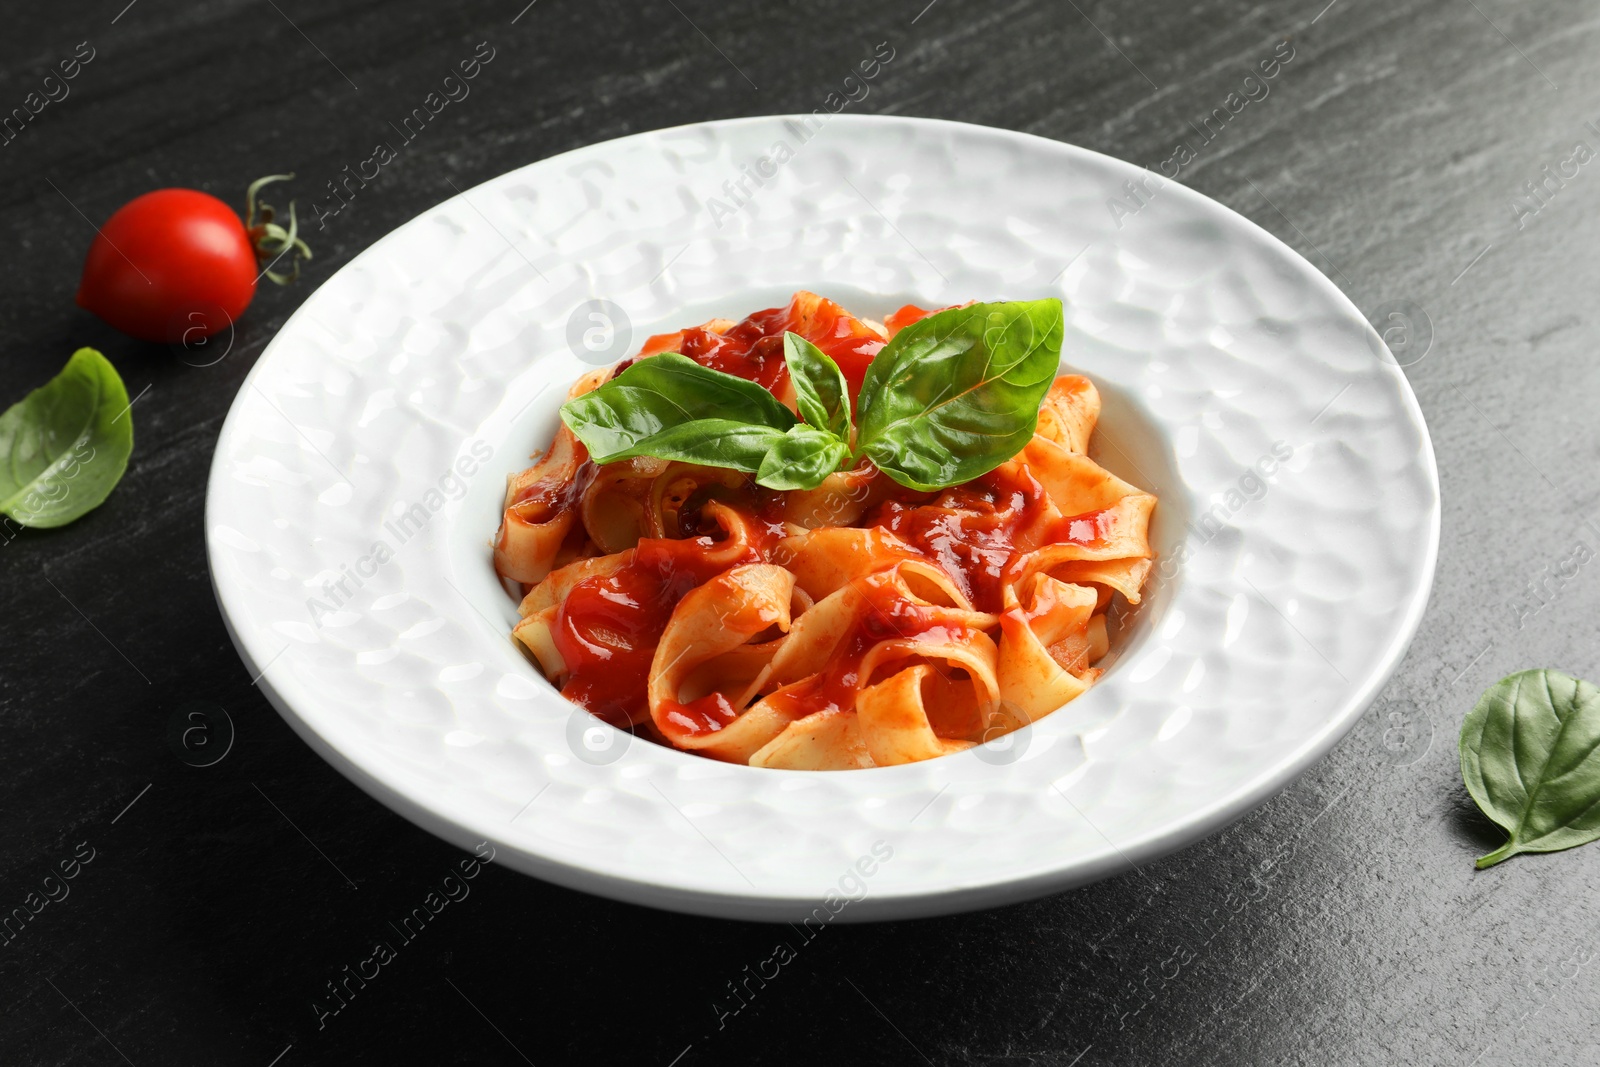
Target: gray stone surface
<point>1341,923</point>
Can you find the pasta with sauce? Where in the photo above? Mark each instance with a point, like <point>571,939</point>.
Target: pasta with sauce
<point>857,624</point>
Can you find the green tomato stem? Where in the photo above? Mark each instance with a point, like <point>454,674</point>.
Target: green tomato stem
<point>270,240</point>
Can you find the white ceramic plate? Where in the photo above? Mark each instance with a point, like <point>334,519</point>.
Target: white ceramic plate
<point>1298,521</point>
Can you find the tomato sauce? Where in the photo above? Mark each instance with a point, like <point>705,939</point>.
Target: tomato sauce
<point>845,340</point>
<point>608,627</point>
<point>974,530</point>
<point>1088,529</point>
<point>887,617</point>
<point>554,497</point>
<point>910,313</point>
<point>905,317</point>
<point>970,530</point>
<point>704,715</point>
<point>753,349</point>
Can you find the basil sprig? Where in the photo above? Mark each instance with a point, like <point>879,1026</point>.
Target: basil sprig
<point>947,399</point>
<point>1529,758</point>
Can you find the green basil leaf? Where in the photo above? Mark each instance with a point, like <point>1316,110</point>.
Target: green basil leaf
<point>662,392</point>
<point>958,393</point>
<point>821,393</point>
<point>64,446</point>
<point>739,446</point>
<point>1530,756</point>
<point>801,458</point>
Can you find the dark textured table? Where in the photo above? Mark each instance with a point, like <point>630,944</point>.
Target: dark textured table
<point>1340,923</point>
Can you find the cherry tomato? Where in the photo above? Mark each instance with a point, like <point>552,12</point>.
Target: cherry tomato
<point>177,265</point>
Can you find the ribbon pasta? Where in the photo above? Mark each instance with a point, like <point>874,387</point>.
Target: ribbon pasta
<point>858,624</point>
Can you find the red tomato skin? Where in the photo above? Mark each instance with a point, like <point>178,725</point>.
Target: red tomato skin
<point>192,271</point>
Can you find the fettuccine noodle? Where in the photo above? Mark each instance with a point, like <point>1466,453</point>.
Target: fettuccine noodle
<point>858,624</point>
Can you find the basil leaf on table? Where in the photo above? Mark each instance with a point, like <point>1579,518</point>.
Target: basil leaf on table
<point>821,392</point>
<point>64,446</point>
<point>1529,758</point>
<point>668,391</point>
<point>957,394</point>
<point>802,458</point>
